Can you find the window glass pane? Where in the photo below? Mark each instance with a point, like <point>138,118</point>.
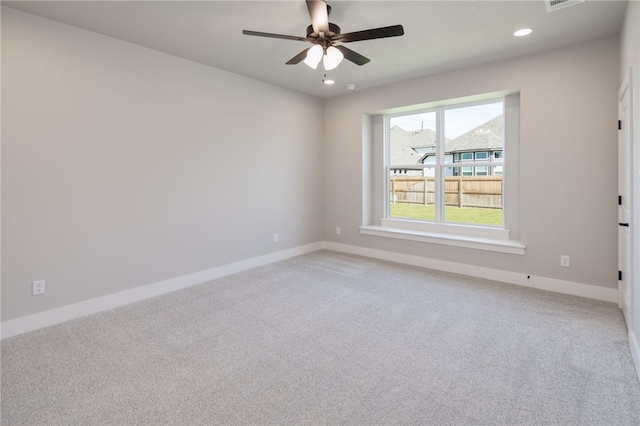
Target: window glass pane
<point>473,198</point>
<point>482,171</point>
<point>477,128</point>
<point>412,197</point>
<point>429,159</point>
<point>497,154</point>
<point>411,137</point>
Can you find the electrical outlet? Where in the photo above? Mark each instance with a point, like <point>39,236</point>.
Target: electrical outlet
<point>337,230</point>
<point>37,287</point>
<point>564,261</point>
<point>276,238</point>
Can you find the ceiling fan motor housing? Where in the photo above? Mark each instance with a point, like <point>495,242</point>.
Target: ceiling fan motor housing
<point>334,30</point>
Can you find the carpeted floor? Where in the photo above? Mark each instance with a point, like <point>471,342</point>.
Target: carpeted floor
<point>328,338</point>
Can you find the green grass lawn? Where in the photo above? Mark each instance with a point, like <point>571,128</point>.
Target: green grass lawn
<point>492,217</point>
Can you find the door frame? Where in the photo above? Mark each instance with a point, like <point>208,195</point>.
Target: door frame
<point>633,316</point>
<point>626,273</point>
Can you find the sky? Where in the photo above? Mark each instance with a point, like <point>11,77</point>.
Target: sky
<point>457,120</point>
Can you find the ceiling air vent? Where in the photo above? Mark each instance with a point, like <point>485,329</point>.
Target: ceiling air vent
<point>553,5</point>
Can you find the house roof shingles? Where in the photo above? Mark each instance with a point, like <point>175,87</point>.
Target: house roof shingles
<point>404,142</point>
<point>487,136</point>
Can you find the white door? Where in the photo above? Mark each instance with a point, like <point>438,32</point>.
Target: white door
<point>624,202</point>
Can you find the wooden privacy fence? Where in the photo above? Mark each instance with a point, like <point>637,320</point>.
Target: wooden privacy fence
<point>459,191</point>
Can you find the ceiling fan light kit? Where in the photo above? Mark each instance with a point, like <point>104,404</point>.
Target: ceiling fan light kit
<point>314,56</point>
<point>332,58</point>
<point>327,40</point>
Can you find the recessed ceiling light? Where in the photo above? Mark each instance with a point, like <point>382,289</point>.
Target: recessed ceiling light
<point>523,32</point>
<point>351,86</point>
<point>328,81</point>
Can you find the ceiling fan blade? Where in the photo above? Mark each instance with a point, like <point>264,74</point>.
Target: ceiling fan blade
<point>299,57</point>
<point>286,37</point>
<point>384,32</point>
<point>319,16</point>
<point>352,56</point>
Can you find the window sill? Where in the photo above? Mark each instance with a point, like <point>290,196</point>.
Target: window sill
<point>488,244</point>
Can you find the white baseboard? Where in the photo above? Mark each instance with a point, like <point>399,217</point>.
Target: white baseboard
<point>542,283</point>
<point>77,310</point>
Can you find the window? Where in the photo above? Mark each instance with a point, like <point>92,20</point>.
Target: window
<point>459,188</point>
<point>438,191</point>
<point>466,156</point>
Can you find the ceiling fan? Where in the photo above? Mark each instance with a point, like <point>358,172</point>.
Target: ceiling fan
<point>325,36</point>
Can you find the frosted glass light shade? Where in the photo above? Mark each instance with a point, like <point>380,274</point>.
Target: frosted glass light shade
<point>314,56</point>
<point>332,58</point>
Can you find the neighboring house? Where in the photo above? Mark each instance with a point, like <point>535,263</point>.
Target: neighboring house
<point>482,144</point>
<point>408,147</point>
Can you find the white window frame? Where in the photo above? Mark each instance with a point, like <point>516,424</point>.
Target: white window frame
<point>501,239</point>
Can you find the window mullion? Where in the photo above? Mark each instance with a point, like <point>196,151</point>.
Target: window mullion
<point>440,172</point>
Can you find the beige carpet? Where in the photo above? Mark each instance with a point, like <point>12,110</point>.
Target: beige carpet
<point>328,338</point>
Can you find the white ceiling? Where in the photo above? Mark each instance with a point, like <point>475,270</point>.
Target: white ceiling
<point>439,35</point>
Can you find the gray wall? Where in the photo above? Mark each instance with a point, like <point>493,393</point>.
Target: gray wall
<point>568,160</point>
<point>630,43</point>
<point>123,166</point>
